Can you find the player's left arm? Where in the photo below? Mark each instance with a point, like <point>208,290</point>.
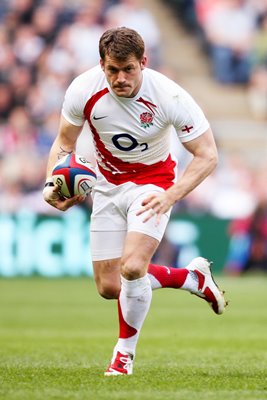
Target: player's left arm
<point>64,143</point>
<point>205,158</point>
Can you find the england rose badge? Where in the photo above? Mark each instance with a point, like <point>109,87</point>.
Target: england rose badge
<point>146,119</point>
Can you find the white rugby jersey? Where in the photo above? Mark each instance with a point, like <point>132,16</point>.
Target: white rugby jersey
<point>132,135</point>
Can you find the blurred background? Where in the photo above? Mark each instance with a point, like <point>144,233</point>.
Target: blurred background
<point>215,49</point>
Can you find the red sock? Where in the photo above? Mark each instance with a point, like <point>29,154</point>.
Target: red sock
<point>167,276</point>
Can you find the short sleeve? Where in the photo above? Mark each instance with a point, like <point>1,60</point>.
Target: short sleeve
<point>72,109</point>
<point>187,117</point>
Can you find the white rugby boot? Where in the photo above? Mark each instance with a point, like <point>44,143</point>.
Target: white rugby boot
<point>207,287</point>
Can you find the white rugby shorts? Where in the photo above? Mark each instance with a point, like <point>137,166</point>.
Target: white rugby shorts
<point>114,214</point>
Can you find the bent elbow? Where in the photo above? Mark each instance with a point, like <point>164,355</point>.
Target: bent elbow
<point>213,160</point>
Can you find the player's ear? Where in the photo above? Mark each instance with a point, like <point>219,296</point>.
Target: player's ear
<point>143,62</point>
<point>102,64</point>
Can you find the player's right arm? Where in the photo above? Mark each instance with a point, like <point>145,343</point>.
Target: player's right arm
<point>64,143</point>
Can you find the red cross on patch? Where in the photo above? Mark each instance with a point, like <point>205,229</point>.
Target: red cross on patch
<point>187,128</point>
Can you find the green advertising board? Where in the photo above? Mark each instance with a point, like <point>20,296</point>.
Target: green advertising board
<point>58,245</point>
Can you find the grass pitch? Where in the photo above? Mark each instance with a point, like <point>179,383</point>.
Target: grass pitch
<point>56,339</point>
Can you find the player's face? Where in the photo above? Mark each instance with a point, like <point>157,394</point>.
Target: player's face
<point>124,77</point>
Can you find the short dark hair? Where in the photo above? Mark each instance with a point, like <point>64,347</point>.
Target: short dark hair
<point>120,43</point>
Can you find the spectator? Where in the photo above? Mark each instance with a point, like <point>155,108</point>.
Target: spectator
<point>229,30</point>
<point>258,7</point>
<point>18,135</point>
<point>27,45</point>
<point>229,193</point>
<point>7,56</point>
<point>248,247</point>
<point>6,101</point>
<point>86,29</point>
<point>132,14</point>
<point>257,258</point>
<point>248,234</point>
<point>44,21</point>
<point>258,81</point>
<point>203,9</point>
<point>20,79</point>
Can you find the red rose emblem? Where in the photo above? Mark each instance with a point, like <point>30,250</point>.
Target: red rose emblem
<point>146,119</point>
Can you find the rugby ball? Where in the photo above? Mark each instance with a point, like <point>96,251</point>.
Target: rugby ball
<point>74,175</point>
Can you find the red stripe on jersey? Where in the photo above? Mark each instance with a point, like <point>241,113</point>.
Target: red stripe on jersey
<point>100,147</point>
<point>161,174</point>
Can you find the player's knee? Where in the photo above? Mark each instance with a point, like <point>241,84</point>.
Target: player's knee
<point>132,268</point>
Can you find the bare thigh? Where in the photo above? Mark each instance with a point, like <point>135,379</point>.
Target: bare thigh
<point>137,253</point>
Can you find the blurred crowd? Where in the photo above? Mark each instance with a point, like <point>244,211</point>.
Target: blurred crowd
<point>234,36</point>
<point>44,44</point>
